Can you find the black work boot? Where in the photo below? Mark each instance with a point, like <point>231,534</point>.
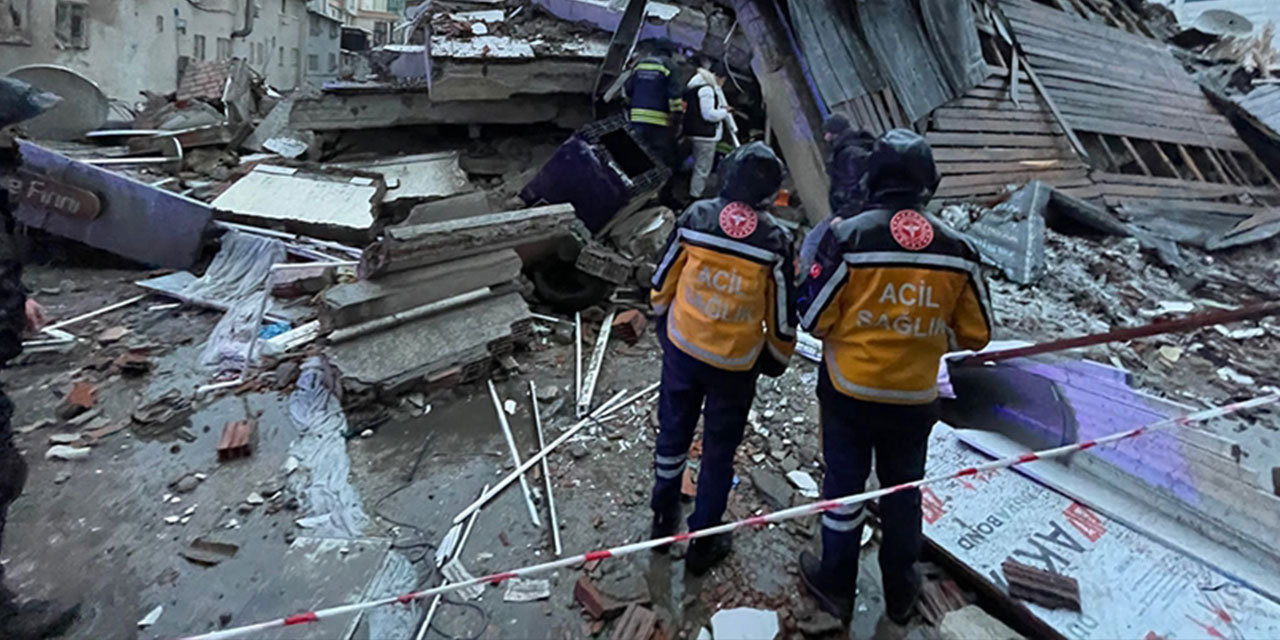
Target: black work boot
<point>829,600</point>
<point>663,526</point>
<point>705,553</point>
<point>902,616</point>
<point>37,620</point>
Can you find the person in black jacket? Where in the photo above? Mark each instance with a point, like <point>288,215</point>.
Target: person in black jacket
<point>18,315</point>
<point>847,152</point>
<point>655,95</point>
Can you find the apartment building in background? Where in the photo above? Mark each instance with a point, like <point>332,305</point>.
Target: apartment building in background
<point>127,46</point>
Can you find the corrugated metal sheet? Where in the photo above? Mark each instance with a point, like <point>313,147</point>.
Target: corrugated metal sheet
<point>1263,105</point>
<point>926,51</point>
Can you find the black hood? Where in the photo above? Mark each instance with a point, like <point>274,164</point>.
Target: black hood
<point>751,174</point>
<point>901,169</point>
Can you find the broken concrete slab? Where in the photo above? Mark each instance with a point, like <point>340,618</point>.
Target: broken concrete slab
<point>378,106</point>
<point>414,179</point>
<point>349,304</point>
<point>452,208</point>
<point>464,337</point>
<point>531,232</point>
<point>338,204</point>
<point>744,623</point>
<point>135,220</point>
<point>773,488</point>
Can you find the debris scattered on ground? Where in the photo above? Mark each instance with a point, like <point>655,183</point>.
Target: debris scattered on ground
<point>744,623</point>
<point>1047,589</point>
<point>151,618</point>
<point>525,590</point>
<point>206,552</point>
<point>804,482</point>
<point>235,440</point>
<point>596,604</point>
<point>82,396</point>
<point>64,452</point>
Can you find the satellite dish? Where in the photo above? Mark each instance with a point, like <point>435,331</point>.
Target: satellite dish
<point>84,106</point>
<point>1220,22</point>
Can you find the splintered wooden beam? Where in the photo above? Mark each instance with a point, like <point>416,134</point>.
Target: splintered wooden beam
<point>1191,163</point>
<point>1133,151</point>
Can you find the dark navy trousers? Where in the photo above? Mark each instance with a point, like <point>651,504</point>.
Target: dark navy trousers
<point>899,436</point>
<point>691,388</point>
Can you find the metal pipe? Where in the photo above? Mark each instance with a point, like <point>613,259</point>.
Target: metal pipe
<point>515,453</point>
<point>248,20</point>
<point>435,603</point>
<point>546,469</point>
<point>1185,323</point>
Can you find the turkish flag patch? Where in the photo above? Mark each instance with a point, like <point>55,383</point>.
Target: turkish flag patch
<point>815,270</point>
<point>738,220</point>
<point>911,230</point>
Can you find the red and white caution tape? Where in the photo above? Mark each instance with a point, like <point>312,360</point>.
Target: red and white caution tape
<point>757,521</point>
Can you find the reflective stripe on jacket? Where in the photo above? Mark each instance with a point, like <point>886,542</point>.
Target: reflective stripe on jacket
<point>653,91</point>
<point>886,291</point>
<point>723,283</point>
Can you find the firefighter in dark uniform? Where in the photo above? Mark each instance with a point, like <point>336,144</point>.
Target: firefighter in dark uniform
<point>32,619</point>
<point>723,297</point>
<point>655,93</point>
<point>889,290</point>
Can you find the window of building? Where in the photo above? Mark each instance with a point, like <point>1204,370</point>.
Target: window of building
<point>333,62</point>
<point>284,6</point>
<point>224,48</point>
<point>71,25</point>
<point>297,59</point>
<point>313,62</point>
<point>280,62</point>
<point>334,30</point>
<point>159,24</point>
<point>262,53</point>
<point>13,21</point>
<point>197,48</point>
<point>316,26</point>
<point>381,33</point>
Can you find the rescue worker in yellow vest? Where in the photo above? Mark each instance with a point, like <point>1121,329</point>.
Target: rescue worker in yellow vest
<point>655,93</point>
<point>723,297</point>
<point>890,290</point>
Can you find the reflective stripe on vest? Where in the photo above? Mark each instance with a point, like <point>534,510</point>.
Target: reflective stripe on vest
<point>653,66</point>
<point>649,116</point>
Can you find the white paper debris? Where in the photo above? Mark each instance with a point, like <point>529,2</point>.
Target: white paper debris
<point>519,590</point>
<point>509,406</point>
<point>744,623</point>
<point>455,572</point>
<point>1231,375</point>
<point>255,498</point>
<point>151,617</point>
<point>63,438</point>
<point>63,452</point>
<point>804,482</point>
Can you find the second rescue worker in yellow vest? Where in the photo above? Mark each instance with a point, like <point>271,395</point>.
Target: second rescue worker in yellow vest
<point>723,297</point>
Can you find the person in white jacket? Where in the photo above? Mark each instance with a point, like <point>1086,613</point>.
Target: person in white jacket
<point>705,117</point>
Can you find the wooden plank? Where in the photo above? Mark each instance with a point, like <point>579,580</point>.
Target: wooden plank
<point>1069,90</point>
<point>961,113</point>
<point>991,140</point>
<point>1134,153</point>
<point>947,123</point>
<point>1095,49</point>
<point>1176,204</point>
<point>1191,163</point>
<point>1154,132</point>
<point>1152,80</point>
<point>1050,34</point>
<point>895,111</point>
<point>994,154</point>
<point>1164,158</point>
<point>1057,115</point>
<point>1079,175</point>
<point>1212,155</point>
<point>1112,162</point>
<point>959,168</point>
<point>1190,123</point>
<point>1040,15</point>
<point>982,190</point>
<point>1087,192</point>
<point>877,103</point>
<point>996,104</point>
<point>1215,189</point>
